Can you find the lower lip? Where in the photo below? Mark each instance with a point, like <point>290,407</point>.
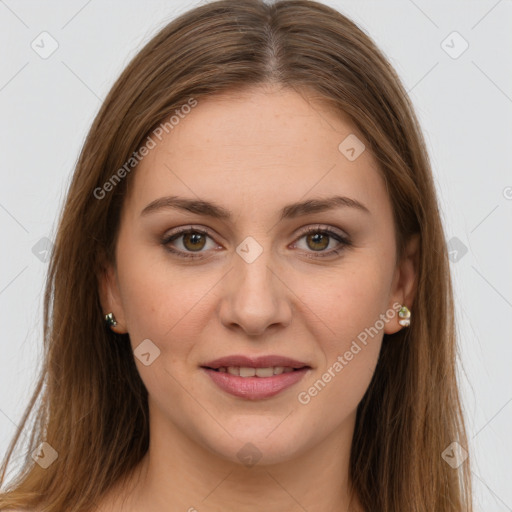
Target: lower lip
<point>255,388</point>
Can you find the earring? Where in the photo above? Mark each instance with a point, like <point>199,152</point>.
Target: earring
<point>111,320</point>
<point>405,315</point>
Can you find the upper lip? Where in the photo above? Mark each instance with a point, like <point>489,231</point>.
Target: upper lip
<point>266,361</point>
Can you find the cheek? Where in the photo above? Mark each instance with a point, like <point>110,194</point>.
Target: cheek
<point>349,299</point>
<point>159,298</point>
<point>350,302</point>
<point>167,306</point>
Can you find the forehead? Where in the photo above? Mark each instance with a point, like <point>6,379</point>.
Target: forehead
<point>258,147</point>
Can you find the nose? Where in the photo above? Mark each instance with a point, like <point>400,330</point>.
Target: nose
<point>255,298</point>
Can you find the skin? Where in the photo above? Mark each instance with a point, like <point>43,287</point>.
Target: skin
<point>253,153</point>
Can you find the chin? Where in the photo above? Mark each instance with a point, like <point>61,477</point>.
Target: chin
<point>257,445</point>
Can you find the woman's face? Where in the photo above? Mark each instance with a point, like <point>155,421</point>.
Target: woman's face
<point>257,284</point>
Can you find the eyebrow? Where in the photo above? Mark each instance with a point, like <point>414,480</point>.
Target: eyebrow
<point>216,211</point>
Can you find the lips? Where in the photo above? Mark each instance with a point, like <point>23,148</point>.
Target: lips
<point>255,378</point>
<point>266,361</point>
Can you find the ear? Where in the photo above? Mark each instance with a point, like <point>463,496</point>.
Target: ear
<point>405,282</point>
<point>110,299</point>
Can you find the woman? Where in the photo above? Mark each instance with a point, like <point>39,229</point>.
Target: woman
<point>249,304</point>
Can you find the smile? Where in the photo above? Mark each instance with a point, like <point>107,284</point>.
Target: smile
<point>245,371</point>
<point>255,383</point>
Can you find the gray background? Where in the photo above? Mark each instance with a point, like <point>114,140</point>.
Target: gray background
<point>464,105</point>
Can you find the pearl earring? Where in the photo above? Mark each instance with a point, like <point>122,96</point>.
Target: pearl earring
<point>405,316</point>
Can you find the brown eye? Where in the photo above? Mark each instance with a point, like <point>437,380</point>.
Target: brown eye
<point>189,243</point>
<point>317,241</point>
<point>194,241</point>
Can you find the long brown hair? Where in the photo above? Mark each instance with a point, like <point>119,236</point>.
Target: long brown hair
<point>90,401</point>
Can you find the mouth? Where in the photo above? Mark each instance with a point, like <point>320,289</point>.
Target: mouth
<point>251,383</point>
<point>255,378</point>
<point>247,371</point>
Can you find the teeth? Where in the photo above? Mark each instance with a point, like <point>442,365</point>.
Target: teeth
<point>247,372</point>
<point>244,371</point>
<point>264,372</point>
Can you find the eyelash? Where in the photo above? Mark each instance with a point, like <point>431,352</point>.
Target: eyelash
<point>313,229</point>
